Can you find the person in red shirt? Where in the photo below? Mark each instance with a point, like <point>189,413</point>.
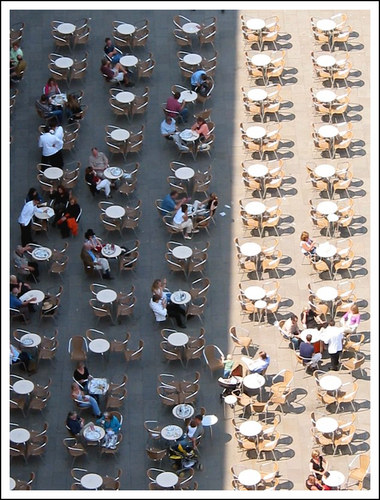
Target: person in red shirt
<point>175,108</point>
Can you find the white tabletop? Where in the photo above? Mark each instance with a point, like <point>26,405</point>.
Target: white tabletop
<point>250,428</point>
<point>128,61</point>
<point>188,96</point>
<point>182,252</point>
<point>327,293</point>
<point>125,29</point>
<point>254,292</point>
<point>45,214</point>
<point>255,208</point>
<point>113,173</point>
<point>58,99</point>
<point>12,483</point>
<point>324,170</point>
<point>326,24</point>
<point>66,28</point>
<point>250,249</point>
<point>257,94</point>
<point>257,170</point>
<point>326,61</point>
<point>106,296</point>
<point>184,173</point>
<point>91,481</point>
<point>120,134</point>
<point>328,131</point>
<point>183,411</point>
<point>23,386</point>
<point>315,334</point>
<point>53,173</point>
<point>64,62</point>
<point>254,381</point>
<point>95,434</point>
<point>192,59</point>
<point>115,212</point>
<point>180,297</point>
<point>330,382</point>
<point>260,304</point>
<point>188,135</point>
<point>256,132</point>
<point>327,207</point>
<point>19,435</point>
<point>30,340</point>
<point>125,97</point>
<point>332,217</point>
<point>249,477</point>
<point>335,478</point>
<point>97,386</point>
<point>260,60</point>
<point>325,95</point>
<point>209,420</point>
<point>99,345</point>
<point>178,339</point>
<point>41,253</point>
<point>38,295</point>
<point>326,424</point>
<point>255,24</point>
<point>171,432</point>
<point>167,479</point>
<point>191,28</point>
<point>108,252</point>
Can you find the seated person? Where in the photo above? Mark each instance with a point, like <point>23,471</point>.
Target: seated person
<point>82,375</point>
<point>197,78</point>
<point>193,431</point>
<point>91,260</point>
<point>291,329</point>
<point>22,306</point>
<point>312,483</point>
<point>67,223</point>
<point>60,197</point>
<point>96,184</point>
<point>73,108</point>
<point>84,400</point>
<point>51,88</point>
<point>110,423</point>
<point>350,321</point>
<point>17,71</point>
<point>310,319</point>
<point>181,220</point>
<point>46,109</point>
<point>205,87</point>
<point>74,422</point>
<point>162,309</point>
<point>98,161</point>
<point>14,52</point>
<point>258,365</point>
<point>228,364</point>
<point>201,127</point>
<point>20,285</point>
<point>308,247</point>
<point>307,352</point>
<point>25,267</point>
<point>206,207</point>
<point>111,51</point>
<point>171,201</point>
<point>17,356</point>
<point>175,108</point>
<point>318,464</point>
<point>117,72</point>
<point>159,288</point>
<point>169,131</point>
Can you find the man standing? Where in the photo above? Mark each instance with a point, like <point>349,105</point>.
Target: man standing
<point>98,161</point>
<point>51,145</point>
<point>307,352</point>
<point>333,337</point>
<point>25,220</point>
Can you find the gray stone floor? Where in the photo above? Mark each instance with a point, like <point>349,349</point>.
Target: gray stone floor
<point>218,454</point>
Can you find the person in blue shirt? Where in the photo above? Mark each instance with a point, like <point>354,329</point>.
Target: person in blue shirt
<point>307,352</point>
<point>258,365</point>
<point>111,52</point>
<point>109,422</point>
<point>171,202</point>
<point>16,303</point>
<point>197,78</point>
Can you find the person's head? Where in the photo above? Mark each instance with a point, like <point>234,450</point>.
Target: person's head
<point>105,62</point>
<point>315,454</point>
<point>15,46</point>
<point>156,298</point>
<point>89,233</point>
<point>19,57</point>
<point>32,193</point>
<point>198,419</point>
<point>74,387</point>
<point>174,195</point>
<point>308,337</point>
<point>203,77</point>
<point>14,291</point>
<point>311,479</point>
<point>229,356</point>
<point>89,170</point>
<point>51,82</point>
<point>157,283</point>
<point>13,279</point>
<point>80,364</point>
<point>19,249</point>
<point>201,120</point>
<point>354,309</point>
<point>304,236</point>
<point>95,152</point>
<point>263,355</point>
<point>73,200</point>
<point>61,190</point>
<point>53,124</point>
<point>35,200</point>
<point>43,98</point>
<point>184,208</point>
<point>176,95</point>
<point>294,319</point>
<point>168,118</point>
<point>331,322</point>
<point>106,415</point>
<point>108,41</point>
<point>213,196</point>
<point>73,415</point>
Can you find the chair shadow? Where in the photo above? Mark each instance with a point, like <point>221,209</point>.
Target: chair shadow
<point>289,81</point>
<point>355,83</point>
<point>286,303</point>
<point>355,107</point>
<point>284,36</point>
<point>358,193</point>
<point>281,455</point>
<point>366,315</point>
<point>289,192</point>
<point>286,274</point>
<point>288,154</point>
<point>287,230</point>
<point>353,118</point>
<point>290,70</point>
<point>285,439</point>
<point>285,484</point>
<point>284,45</point>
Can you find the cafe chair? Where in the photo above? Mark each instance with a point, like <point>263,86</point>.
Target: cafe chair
<point>168,399</point>
<point>120,345</point>
<point>109,482</point>
<point>125,297</point>
<point>41,390</point>
<point>25,485</point>
<point>145,68</point>
<point>358,469</point>
<point>125,309</point>
<point>36,450</point>
<point>182,39</point>
<point>157,455</point>
<point>213,357</point>
<point>352,363</point>
<point>196,309</point>
<point>38,404</point>
<point>268,445</point>
<point>245,444</point>
<point>240,341</point>
<point>100,310</point>
<point>134,354</point>
<point>74,448</point>
<point>170,353</point>
<point>194,350</point>
<point>48,352</point>
<point>199,288</point>
<point>116,401</point>
<point>37,436</point>
<point>17,403</point>
<point>153,429</point>
<point>78,348</point>
<point>115,225</point>
<point>114,450</point>
<point>353,342</point>
<point>16,32</point>
<point>116,387</point>
<point>77,473</point>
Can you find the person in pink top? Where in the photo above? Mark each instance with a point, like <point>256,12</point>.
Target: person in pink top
<point>350,321</point>
<point>174,108</point>
<point>201,127</point>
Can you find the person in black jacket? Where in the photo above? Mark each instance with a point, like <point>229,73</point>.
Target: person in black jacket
<point>74,422</point>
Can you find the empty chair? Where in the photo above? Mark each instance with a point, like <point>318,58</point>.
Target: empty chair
<point>213,357</point>
<point>78,348</point>
<point>240,339</point>
<point>358,469</point>
<point>134,354</point>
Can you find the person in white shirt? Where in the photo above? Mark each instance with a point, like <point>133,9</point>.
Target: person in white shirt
<point>51,145</point>
<point>25,220</point>
<point>169,131</point>
<point>162,309</point>
<point>181,220</point>
<point>258,365</point>
<point>333,337</point>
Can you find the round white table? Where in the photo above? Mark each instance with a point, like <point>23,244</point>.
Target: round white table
<point>191,28</point>
<point>326,250</point>
<point>120,134</point>
<point>324,171</point>
<point>53,173</point>
<point>182,252</point>
<point>315,335</point>
<point>58,99</point>
<point>326,425</point>
<point>167,479</point>
<point>257,95</point>
<point>110,253</point>
<point>106,296</point>
<point>115,212</point>
<point>326,24</point>
<point>261,60</point>
<point>327,293</point>
<point>328,131</point>
<point>46,214</point>
<point>188,135</point>
<point>230,399</point>
<point>98,386</point>
<point>125,29</point>
<point>188,96</point>
<point>30,340</point>
<point>325,95</point>
<point>171,432</point>
<point>254,292</point>
<point>125,97</point>
<point>327,207</point>
<point>261,305</point>
<point>178,339</point>
<point>250,428</point>
<point>326,61</point>
<point>192,59</point>
<point>183,411</point>
<point>335,479</point>
<point>19,435</point>
<point>38,295</point>
<point>257,170</point>
<point>255,24</point>
<point>330,382</point>
<point>184,173</point>
<point>128,61</point>
<point>253,381</point>
<point>91,481</point>
<point>66,28</point>
<point>23,386</point>
<point>249,477</point>
<point>180,297</point>
<point>95,434</point>
<point>99,346</point>
<point>64,62</point>
<point>113,173</point>
<point>255,208</point>
<point>12,483</point>
<point>250,249</point>
<point>256,132</point>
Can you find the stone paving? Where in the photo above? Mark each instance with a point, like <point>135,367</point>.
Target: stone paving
<point>223,310</point>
